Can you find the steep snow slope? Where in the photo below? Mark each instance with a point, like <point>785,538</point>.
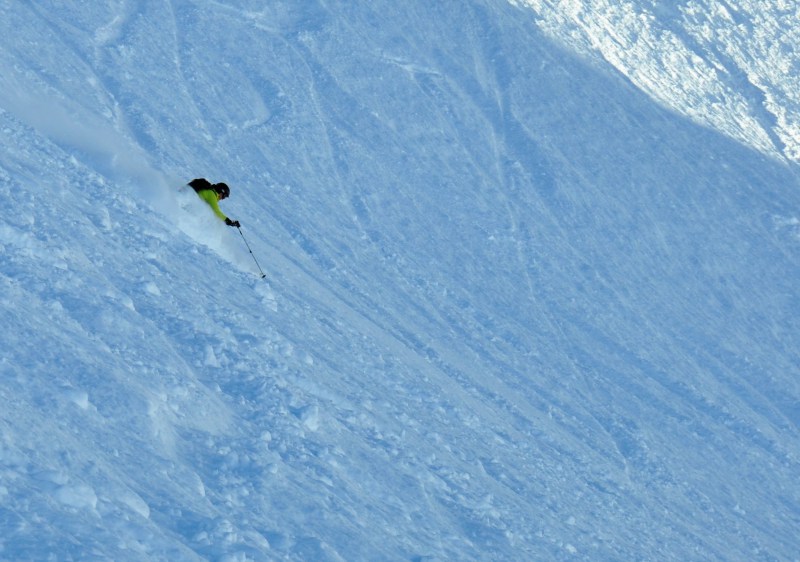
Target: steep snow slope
<point>515,309</point>
<point>731,65</point>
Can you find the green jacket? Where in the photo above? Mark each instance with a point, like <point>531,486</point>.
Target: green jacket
<point>210,196</point>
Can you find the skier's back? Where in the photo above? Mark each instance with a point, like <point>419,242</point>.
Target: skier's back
<point>213,194</point>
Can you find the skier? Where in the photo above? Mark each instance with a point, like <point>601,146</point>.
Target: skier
<point>213,194</point>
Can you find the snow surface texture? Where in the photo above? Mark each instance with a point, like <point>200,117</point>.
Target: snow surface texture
<point>517,308</point>
<point>734,66</point>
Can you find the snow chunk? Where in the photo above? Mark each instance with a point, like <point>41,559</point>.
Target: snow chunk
<point>309,415</point>
<point>211,357</point>
<point>136,503</point>
<point>80,398</point>
<point>79,496</point>
<point>267,296</point>
<point>152,288</point>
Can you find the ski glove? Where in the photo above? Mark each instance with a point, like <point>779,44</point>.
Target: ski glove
<point>229,222</point>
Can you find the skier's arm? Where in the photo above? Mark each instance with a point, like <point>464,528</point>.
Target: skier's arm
<point>211,198</point>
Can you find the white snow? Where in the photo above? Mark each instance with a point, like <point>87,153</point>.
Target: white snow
<point>730,65</point>
<point>531,294</point>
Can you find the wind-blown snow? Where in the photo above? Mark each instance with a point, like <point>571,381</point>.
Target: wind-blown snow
<point>522,302</point>
<point>732,66</point>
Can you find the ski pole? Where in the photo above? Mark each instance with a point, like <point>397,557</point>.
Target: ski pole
<point>251,252</point>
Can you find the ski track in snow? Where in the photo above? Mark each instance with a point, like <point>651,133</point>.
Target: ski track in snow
<point>514,308</point>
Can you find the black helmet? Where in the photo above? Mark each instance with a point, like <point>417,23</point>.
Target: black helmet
<point>222,189</point>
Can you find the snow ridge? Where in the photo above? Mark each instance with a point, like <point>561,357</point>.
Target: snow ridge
<point>729,66</point>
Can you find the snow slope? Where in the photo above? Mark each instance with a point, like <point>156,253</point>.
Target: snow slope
<point>730,65</point>
<point>517,308</point>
